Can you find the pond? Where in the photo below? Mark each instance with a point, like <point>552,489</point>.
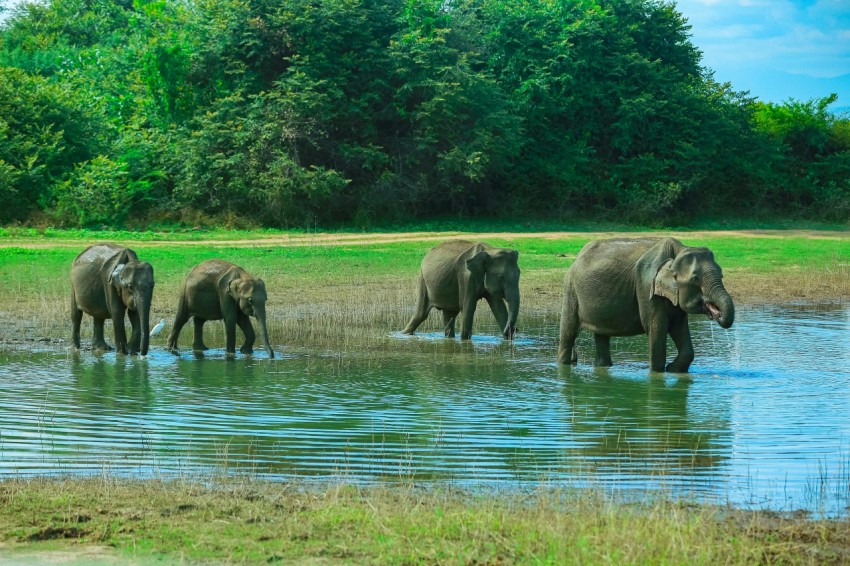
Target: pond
<point>762,420</point>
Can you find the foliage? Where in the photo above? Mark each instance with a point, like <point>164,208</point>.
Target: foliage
<point>297,113</point>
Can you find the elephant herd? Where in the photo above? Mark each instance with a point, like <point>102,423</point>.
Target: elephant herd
<point>615,287</point>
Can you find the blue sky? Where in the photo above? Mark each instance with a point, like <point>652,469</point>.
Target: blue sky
<point>776,49</point>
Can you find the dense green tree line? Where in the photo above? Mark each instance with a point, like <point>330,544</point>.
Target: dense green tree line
<point>296,112</point>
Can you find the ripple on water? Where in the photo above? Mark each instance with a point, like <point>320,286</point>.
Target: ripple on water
<point>763,417</point>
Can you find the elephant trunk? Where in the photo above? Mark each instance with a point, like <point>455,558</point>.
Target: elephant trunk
<point>512,298</point>
<point>145,322</point>
<point>260,315</point>
<point>718,303</point>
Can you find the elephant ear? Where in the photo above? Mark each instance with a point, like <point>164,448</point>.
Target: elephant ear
<point>477,263</point>
<point>233,289</point>
<point>664,284</point>
<point>115,276</point>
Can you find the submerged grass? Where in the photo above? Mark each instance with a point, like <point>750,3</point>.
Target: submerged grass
<point>249,521</point>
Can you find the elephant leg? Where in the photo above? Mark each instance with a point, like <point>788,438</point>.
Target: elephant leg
<point>466,324</point>
<point>135,343</point>
<point>247,328</point>
<point>681,335</point>
<point>76,321</point>
<point>657,348</point>
<point>119,331</point>
<point>198,341</point>
<point>449,318</point>
<point>423,307</point>
<point>603,350</point>
<point>180,320</point>
<point>468,311</point>
<point>570,327</point>
<point>230,335</point>
<point>99,342</point>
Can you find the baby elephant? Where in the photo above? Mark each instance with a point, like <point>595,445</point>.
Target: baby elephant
<point>456,274</point>
<point>216,290</point>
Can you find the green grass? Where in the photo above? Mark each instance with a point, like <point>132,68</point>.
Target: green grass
<point>732,251</point>
<point>248,521</point>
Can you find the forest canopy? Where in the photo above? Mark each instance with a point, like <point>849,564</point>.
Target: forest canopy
<point>291,113</point>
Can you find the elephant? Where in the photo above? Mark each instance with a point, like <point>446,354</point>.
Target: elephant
<point>456,274</point>
<point>216,290</point>
<point>106,281</point>
<point>625,287</point>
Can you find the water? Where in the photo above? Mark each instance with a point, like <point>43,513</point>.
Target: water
<point>762,420</point>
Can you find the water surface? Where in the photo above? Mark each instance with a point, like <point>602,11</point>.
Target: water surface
<point>762,420</point>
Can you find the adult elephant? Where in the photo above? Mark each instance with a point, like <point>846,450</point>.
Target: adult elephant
<point>108,281</point>
<point>624,287</point>
<point>455,275</point>
<point>216,290</point>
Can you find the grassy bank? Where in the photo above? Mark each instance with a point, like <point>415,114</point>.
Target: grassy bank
<point>258,522</point>
<point>353,287</point>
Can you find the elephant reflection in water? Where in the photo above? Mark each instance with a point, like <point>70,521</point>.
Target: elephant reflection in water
<point>642,426</point>
<point>112,400</point>
<point>106,387</point>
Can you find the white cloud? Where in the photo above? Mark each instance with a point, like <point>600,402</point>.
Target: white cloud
<point>750,38</point>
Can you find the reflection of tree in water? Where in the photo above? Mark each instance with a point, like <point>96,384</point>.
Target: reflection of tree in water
<point>642,427</point>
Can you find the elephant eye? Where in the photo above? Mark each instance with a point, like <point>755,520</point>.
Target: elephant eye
<point>250,300</point>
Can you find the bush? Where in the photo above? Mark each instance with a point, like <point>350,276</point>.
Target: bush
<point>97,192</point>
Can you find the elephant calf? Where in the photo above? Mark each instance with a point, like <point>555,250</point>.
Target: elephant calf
<point>108,281</point>
<point>624,287</point>
<point>216,290</point>
<point>456,274</point>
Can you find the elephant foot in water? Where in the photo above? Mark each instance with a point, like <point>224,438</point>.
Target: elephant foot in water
<point>678,367</point>
<point>101,347</point>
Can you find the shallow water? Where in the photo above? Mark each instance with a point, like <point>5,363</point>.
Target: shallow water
<point>762,420</point>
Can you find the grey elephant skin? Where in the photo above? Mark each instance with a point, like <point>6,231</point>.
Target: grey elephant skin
<point>219,290</point>
<point>455,275</point>
<point>108,281</point>
<point>625,287</point>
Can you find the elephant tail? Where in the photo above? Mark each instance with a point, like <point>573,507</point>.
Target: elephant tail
<point>422,307</point>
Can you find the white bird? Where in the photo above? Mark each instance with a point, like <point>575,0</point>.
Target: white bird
<point>158,328</point>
